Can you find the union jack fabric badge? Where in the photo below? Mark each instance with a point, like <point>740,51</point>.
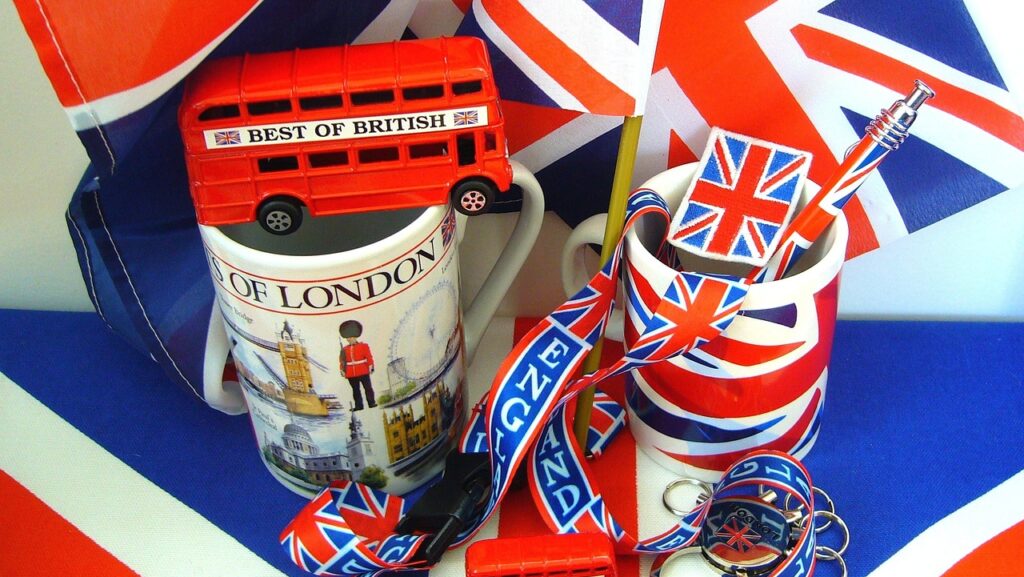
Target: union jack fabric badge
<point>741,199</point>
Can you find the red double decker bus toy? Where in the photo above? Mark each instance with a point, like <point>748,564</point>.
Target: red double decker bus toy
<point>575,555</point>
<point>344,129</point>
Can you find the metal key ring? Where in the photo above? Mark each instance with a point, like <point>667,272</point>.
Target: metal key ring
<point>705,488</point>
<point>842,525</point>
<point>828,501</point>
<point>830,554</point>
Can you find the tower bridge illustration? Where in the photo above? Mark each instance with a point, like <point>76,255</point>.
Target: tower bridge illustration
<point>294,388</point>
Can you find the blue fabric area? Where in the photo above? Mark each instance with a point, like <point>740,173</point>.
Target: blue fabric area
<point>919,173</point>
<point>919,419</point>
<point>206,459</point>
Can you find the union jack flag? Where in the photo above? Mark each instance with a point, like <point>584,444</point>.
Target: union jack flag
<point>739,202</point>
<point>466,118</point>
<point>539,54</point>
<point>227,137</point>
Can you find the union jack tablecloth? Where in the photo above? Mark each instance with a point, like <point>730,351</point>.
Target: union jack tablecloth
<point>107,469</point>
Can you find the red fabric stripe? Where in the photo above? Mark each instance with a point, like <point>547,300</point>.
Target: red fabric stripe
<point>784,173</point>
<point>991,558</point>
<point>35,541</point>
<point>144,39</point>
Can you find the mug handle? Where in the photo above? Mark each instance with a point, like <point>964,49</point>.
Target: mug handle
<point>574,272</point>
<point>480,312</point>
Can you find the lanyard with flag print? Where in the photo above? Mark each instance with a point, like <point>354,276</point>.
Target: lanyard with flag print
<point>348,529</point>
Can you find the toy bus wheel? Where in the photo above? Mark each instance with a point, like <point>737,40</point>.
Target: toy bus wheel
<point>280,216</point>
<point>473,197</point>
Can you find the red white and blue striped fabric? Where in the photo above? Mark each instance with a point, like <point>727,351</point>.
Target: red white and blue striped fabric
<point>918,503</point>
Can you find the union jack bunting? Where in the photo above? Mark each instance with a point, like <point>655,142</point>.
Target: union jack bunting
<point>741,200</point>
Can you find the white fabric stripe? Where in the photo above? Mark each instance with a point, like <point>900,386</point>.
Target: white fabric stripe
<point>565,139</point>
<point>948,541</point>
<point>110,108</point>
<point>562,97</point>
<point>668,110</point>
<point>609,52</point>
<point>434,18</point>
<point>103,497</point>
<point>390,24</point>
<point>650,30</point>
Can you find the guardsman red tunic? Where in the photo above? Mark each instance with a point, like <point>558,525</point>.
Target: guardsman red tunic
<point>356,360</point>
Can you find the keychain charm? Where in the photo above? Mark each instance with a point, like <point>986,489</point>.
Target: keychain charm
<point>745,535</point>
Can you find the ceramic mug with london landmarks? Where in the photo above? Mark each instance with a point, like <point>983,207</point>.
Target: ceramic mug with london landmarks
<point>350,342</point>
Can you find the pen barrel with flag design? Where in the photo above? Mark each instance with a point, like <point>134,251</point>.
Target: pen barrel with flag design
<point>883,135</point>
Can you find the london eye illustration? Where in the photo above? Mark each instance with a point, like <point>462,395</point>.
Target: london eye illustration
<point>424,345</point>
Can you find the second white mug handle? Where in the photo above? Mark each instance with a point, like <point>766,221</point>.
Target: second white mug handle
<point>479,312</point>
<point>574,271</point>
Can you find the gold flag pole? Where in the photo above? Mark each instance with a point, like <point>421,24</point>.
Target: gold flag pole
<point>628,144</point>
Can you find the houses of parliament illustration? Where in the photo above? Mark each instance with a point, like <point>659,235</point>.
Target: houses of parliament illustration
<point>407,433</point>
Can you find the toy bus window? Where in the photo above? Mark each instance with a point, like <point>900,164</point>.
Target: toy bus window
<point>490,141</point>
<point>278,163</point>
<point>428,150</point>
<point>467,149</point>
<point>324,159</point>
<point>320,102</point>
<point>219,112</point>
<point>373,97</point>
<point>423,92</point>
<point>370,155</point>
<point>460,88</point>
<point>269,107</point>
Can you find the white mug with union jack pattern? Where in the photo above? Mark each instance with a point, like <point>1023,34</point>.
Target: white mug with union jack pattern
<point>349,339</point>
<point>760,384</point>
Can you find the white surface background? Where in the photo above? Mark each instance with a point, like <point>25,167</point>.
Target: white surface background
<point>969,266</point>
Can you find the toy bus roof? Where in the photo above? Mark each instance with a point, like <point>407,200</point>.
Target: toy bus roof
<point>317,71</point>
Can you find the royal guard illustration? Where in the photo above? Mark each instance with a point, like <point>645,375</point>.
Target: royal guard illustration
<point>356,363</point>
